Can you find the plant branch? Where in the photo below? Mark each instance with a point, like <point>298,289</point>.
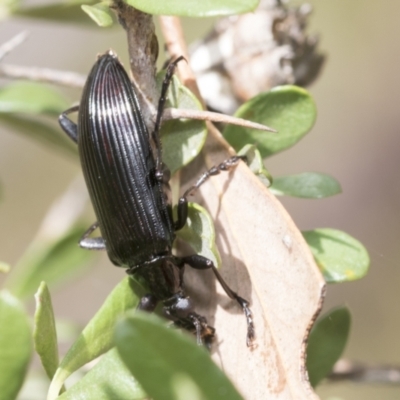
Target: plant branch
<point>362,373</point>
<point>176,113</point>
<point>63,78</point>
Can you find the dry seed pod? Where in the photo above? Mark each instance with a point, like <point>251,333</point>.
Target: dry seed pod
<point>251,53</point>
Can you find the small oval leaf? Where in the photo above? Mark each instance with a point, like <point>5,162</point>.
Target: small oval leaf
<point>44,331</point>
<point>96,338</point>
<point>199,233</point>
<point>326,343</point>
<point>195,8</point>
<point>182,140</point>
<point>167,362</point>
<point>288,109</point>
<point>339,256</point>
<point>15,345</point>
<point>108,379</point>
<point>100,14</point>
<point>308,185</point>
<point>32,98</point>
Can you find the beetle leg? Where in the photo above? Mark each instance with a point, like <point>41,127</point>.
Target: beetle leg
<point>161,103</point>
<point>88,243</point>
<point>204,332</point>
<point>182,212</point>
<point>197,323</point>
<point>199,262</point>
<point>68,126</point>
<point>226,165</point>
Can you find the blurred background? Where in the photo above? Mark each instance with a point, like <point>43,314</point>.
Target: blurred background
<point>356,139</point>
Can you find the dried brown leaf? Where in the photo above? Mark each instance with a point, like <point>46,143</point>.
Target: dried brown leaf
<point>266,260</point>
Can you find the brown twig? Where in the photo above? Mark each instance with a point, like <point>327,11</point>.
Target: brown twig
<point>63,78</point>
<point>175,42</point>
<point>176,113</point>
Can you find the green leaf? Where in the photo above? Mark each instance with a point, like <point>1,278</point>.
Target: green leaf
<point>168,363</point>
<point>326,343</point>
<point>65,12</point>
<point>32,98</point>
<point>49,262</point>
<point>182,140</point>
<point>288,109</point>
<point>195,8</point>
<point>15,345</point>
<point>255,163</point>
<point>44,132</point>
<point>44,332</point>
<point>108,379</point>
<point>199,233</point>
<point>100,13</point>
<point>96,338</point>
<point>339,256</point>
<point>309,185</point>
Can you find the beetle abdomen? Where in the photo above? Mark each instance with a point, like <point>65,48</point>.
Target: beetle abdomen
<point>119,168</point>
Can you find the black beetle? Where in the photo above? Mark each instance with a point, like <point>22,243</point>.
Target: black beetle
<point>129,189</point>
